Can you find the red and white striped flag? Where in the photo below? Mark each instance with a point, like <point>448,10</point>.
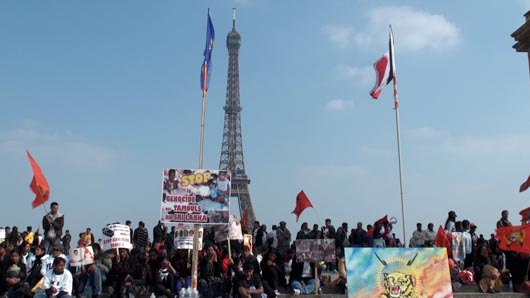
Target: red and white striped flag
<point>385,72</point>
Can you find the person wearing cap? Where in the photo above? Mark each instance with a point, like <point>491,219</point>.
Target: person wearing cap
<point>284,237</point>
<point>48,259</point>
<point>450,222</point>
<point>249,285</point>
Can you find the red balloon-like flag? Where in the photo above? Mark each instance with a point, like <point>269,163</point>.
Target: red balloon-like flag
<point>302,202</point>
<point>525,185</point>
<point>38,184</point>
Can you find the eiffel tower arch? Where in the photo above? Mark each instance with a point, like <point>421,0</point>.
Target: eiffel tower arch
<point>232,146</point>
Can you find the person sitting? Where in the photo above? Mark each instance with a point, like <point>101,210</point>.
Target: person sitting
<point>249,284</point>
<point>302,277</point>
<point>57,281</point>
<point>487,273</point>
<point>164,279</point>
<point>96,273</point>
<point>14,277</point>
<point>272,271</point>
<point>210,281</point>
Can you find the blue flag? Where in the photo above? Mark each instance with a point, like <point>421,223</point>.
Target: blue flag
<point>206,64</point>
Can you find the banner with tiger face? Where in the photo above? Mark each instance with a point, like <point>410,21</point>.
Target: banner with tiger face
<point>398,272</point>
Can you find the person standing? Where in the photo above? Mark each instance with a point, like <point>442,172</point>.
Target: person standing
<point>450,222</point>
<point>89,237</point>
<point>284,237</point>
<point>67,238</point>
<point>140,237</point>
<point>53,223</point>
<point>504,221</point>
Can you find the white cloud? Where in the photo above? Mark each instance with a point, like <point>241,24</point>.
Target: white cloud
<point>473,145</point>
<point>338,35</point>
<point>428,133</point>
<point>365,75</point>
<point>377,151</point>
<point>339,104</point>
<point>67,149</point>
<point>335,171</point>
<point>413,30</point>
<point>494,146</point>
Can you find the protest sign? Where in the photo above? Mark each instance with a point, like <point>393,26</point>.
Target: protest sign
<point>315,250</point>
<point>116,236</point>
<point>195,196</point>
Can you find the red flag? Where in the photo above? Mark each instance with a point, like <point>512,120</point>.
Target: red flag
<point>525,185</point>
<point>525,215</point>
<point>441,240</point>
<point>514,238</point>
<point>382,219</point>
<point>302,202</point>
<point>385,71</point>
<point>244,221</point>
<point>38,184</point>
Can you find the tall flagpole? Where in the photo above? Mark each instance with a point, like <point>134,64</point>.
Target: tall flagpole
<point>203,113</point>
<point>205,68</point>
<point>396,109</point>
<point>195,251</point>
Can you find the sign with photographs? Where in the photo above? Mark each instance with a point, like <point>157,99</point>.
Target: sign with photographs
<point>116,236</point>
<point>231,231</point>
<point>184,236</point>
<point>81,256</point>
<point>195,196</point>
<point>315,250</point>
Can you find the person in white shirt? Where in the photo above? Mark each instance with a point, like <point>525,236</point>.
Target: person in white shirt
<point>48,260</point>
<point>58,282</point>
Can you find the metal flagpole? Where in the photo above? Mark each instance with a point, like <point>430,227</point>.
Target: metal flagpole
<point>396,109</point>
<point>195,253</point>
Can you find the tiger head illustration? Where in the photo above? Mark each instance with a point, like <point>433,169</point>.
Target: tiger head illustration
<point>514,237</point>
<point>398,285</point>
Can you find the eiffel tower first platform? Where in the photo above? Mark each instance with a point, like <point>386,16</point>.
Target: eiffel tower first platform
<point>232,146</point>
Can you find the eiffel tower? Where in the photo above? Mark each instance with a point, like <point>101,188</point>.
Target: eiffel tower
<point>232,147</point>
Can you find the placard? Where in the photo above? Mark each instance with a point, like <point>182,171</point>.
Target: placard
<point>116,236</point>
<point>315,250</point>
<point>184,236</point>
<point>195,196</point>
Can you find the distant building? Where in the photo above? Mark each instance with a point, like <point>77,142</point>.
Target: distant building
<point>522,37</point>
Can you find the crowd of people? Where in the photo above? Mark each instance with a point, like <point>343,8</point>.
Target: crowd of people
<point>37,265</point>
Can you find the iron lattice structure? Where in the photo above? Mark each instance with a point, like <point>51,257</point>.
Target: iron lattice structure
<point>232,147</point>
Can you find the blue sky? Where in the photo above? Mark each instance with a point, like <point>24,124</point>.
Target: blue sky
<point>105,94</point>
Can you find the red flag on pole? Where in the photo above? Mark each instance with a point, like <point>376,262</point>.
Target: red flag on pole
<point>525,185</point>
<point>302,202</point>
<point>441,240</point>
<point>385,71</point>
<point>244,221</point>
<point>38,184</point>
